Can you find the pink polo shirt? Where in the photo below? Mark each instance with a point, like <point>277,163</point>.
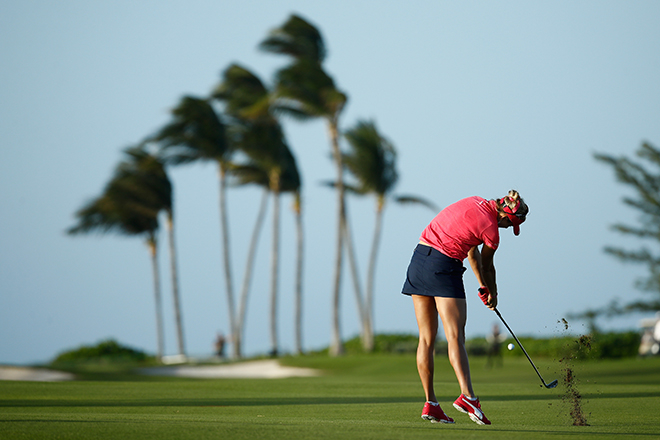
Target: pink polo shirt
<point>463,225</point>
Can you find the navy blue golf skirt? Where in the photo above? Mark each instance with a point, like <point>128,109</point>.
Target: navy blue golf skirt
<point>432,273</point>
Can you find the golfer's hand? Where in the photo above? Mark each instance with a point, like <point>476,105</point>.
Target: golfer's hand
<point>492,301</point>
<point>487,298</point>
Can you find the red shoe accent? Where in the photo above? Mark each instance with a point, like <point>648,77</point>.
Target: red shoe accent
<point>471,408</point>
<point>435,414</point>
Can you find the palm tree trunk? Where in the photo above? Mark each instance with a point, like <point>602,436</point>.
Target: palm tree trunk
<point>152,244</point>
<point>371,276</point>
<point>247,276</point>
<point>299,272</point>
<point>336,345</point>
<point>175,284</point>
<point>224,230</point>
<point>274,265</point>
<point>355,273</point>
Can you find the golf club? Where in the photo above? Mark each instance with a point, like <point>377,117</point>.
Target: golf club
<point>547,385</point>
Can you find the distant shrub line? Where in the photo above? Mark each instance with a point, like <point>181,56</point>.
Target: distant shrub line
<point>598,346</point>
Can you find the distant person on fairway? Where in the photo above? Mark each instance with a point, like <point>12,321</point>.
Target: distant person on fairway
<point>220,342</point>
<point>435,283</point>
<point>494,352</point>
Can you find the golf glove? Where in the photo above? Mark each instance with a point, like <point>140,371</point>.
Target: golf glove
<point>484,293</point>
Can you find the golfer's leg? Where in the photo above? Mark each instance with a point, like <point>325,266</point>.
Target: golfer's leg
<point>453,313</point>
<point>427,321</point>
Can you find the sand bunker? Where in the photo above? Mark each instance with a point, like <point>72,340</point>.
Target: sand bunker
<point>33,374</point>
<point>264,369</point>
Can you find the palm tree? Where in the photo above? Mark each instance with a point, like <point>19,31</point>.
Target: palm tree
<point>371,160</point>
<point>304,90</point>
<point>257,133</point>
<point>197,133</point>
<point>244,175</point>
<point>118,210</point>
<point>264,144</point>
<point>254,173</point>
<point>143,175</point>
<point>290,181</point>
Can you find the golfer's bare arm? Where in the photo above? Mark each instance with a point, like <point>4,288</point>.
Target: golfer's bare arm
<point>483,267</point>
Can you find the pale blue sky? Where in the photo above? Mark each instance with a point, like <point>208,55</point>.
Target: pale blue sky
<point>478,98</point>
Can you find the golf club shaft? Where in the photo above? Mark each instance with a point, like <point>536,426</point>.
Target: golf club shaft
<point>520,345</point>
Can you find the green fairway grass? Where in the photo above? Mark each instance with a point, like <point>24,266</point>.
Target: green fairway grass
<point>358,397</point>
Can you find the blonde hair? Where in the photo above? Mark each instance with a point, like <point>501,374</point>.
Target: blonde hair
<point>513,200</point>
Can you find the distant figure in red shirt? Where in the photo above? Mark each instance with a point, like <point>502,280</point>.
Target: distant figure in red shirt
<point>435,283</point>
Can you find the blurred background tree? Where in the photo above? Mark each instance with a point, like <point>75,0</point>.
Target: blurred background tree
<point>642,175</point>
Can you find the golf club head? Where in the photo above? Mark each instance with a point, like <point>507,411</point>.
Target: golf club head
<point>551,384</point>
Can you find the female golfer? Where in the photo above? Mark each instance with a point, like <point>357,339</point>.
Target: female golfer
<point>435,282</point>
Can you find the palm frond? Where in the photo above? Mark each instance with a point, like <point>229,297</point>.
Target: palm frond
<point>296,38</point>
<point>131,201</point>
<point>290,179</point>
<point>306,88</point>
<point>416,200</point>
<point>351,189</point>
<point>640,256</point>
<point>245,96</point>
<point>141,176</point>
<point>248,174</point>
<point>195,132</point>
<point>371,159</point>
<point>106,214</point>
